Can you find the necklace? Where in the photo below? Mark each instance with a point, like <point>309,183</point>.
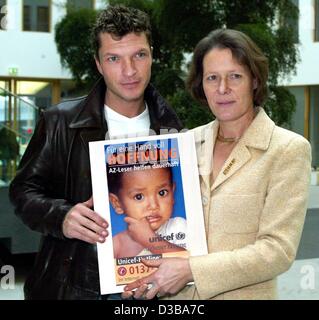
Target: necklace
<point>227,140</point>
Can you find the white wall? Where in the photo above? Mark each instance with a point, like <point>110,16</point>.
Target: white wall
<point>307,68</point>
<point>33,53</point>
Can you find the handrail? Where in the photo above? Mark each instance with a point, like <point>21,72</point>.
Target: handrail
<point>16,96</point>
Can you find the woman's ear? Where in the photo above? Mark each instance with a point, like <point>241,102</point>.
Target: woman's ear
<point>116,203</point>
<point>255,84</point>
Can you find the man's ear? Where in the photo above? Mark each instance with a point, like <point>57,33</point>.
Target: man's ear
<point>116,203</point>
<point>98,65</point>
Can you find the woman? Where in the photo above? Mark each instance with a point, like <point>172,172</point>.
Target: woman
<point>254,181</point>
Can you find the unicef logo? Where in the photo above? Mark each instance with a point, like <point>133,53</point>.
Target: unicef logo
<point>180,236</point>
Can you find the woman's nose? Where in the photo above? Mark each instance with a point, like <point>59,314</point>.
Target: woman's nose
<point>223,86</point>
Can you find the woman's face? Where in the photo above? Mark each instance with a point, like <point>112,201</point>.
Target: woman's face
<point>228,86</point>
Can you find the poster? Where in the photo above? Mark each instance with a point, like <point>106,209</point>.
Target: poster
<point>148,190</point>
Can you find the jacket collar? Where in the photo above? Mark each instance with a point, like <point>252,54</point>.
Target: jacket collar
<point>162,115</point>
<point>91,120</point>
<point>91,110</point>
<point>205,137</point>
<point>257,135</point>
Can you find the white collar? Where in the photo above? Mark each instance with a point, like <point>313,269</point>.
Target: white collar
<point>115,116</point>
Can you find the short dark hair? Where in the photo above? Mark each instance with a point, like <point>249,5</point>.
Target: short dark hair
<point>120,20</point>
<point>245,51</point>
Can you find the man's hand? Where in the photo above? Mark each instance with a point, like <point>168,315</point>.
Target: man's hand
<point>171,276</point>
<point>82,223</point>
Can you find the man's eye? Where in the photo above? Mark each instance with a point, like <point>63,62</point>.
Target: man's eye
<point>112,59</point>
<point>141,55</point>
<point>163,193</point>
<point>139,197</point>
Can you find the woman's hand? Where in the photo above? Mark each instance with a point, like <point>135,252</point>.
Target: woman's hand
<point>172,275</point>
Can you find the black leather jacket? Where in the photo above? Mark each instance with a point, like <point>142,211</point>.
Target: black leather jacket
<point>53,176</point>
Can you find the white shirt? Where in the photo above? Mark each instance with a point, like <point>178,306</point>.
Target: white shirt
<point>120,126</point>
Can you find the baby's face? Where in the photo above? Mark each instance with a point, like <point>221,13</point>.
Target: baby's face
<point>148,194</point>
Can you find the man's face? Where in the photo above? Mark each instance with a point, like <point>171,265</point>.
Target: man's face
<point>125,64</point>
<point>147,194</point>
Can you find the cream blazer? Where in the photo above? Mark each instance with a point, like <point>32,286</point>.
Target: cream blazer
<point>254,211</point>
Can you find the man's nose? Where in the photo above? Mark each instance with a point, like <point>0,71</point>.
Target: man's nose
<point>129,68</point>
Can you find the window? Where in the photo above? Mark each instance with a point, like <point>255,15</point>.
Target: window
<point>314,124</point>
<point>42,19</point>
<point>27,18</point>
<point>316,20</point>
<point>36,15</point>
<point>3,11</point>
<point>79,4</point>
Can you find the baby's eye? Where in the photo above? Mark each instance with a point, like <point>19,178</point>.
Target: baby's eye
<point>163,193</point>
<point>139,197</point>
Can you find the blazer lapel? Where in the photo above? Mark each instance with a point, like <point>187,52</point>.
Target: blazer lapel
<point>257,136</point>
<point>239,156</point>
<point>205,137</point>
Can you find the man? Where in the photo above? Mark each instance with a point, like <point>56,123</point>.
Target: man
<point>52,190</point>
